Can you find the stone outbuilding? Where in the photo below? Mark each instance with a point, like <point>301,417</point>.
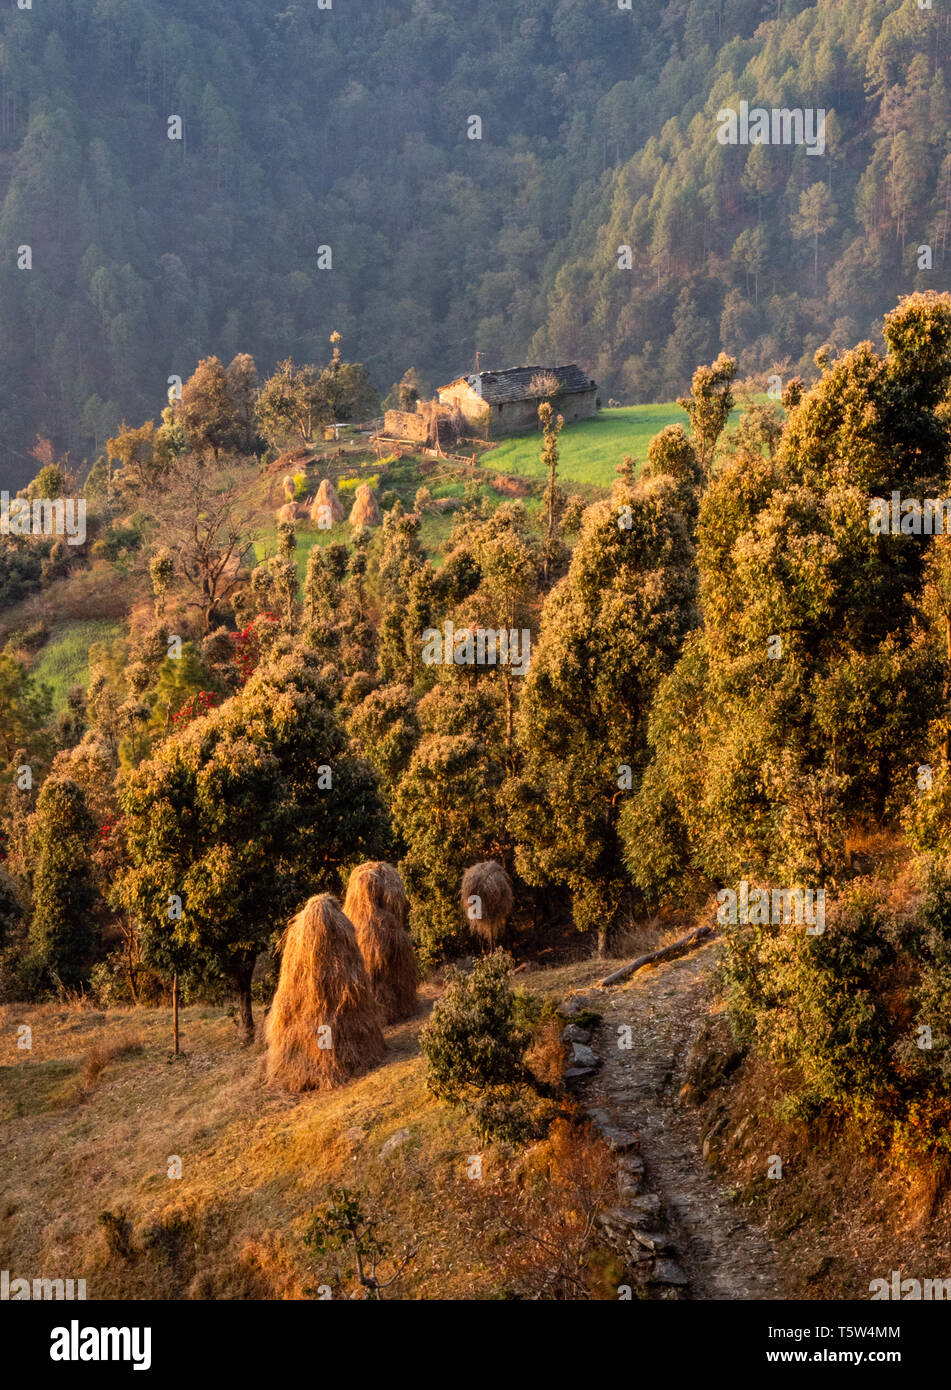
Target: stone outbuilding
<point>496,404</point>
<point>491,405</point>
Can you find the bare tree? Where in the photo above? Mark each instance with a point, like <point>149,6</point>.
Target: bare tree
<point>208,529</point>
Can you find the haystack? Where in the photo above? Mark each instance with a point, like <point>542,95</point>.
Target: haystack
<point>487,900</point>
<point>289,489</point>
<point>365,510</point>
<point>327,496</point>
<point>376,904</point>
<point>291,511</point>
<point>324,1024</point>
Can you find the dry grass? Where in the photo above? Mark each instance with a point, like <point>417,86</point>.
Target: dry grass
<point>99,1057</point>
<point>377,905</point>
<point>99,592</point>
<point>255,1161</point>
<point>546,1053</point>
<point>324,1026</point>
<point>491,885</point>
<point>546,1202</point>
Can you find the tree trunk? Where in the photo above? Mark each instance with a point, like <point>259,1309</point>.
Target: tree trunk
<point>175,1011</point>
<point>686,943</point>
<point>604,933</point>
<point>241,984</point>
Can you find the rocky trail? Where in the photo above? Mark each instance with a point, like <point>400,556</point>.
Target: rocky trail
<point>680,1233</point>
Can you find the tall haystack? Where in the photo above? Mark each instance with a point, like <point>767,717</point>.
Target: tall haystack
<point>324,1024</point>
<point>487,900</point>
<point>289,488</point>
<point>365,510</point>
<point>376,904</point>
<point>327,496</point>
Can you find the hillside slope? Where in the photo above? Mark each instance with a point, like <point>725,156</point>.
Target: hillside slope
<point>597,129</point>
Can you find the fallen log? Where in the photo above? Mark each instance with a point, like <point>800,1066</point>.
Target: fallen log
<point>676,948</point>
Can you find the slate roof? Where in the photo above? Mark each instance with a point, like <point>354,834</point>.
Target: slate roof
<point>512,384</point>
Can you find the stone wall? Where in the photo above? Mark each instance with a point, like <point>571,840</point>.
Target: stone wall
<point>405,424</point>
<point>517,417</point>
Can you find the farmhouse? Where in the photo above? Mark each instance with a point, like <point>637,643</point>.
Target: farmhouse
<point>491,405</point>
<point>496,404</point>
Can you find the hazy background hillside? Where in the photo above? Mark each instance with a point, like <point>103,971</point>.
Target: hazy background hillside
<point>347,127</point>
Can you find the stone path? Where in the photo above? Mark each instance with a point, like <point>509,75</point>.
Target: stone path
<point>682,1234</point>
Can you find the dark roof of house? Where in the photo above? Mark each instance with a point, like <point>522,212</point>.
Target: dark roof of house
<point>513,383</point>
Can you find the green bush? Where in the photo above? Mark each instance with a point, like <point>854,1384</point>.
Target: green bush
<point>840,1011</point>
<point>475,1044</point>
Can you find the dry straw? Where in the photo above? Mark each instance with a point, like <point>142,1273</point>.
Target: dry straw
<point>491,886</point>
<point>327,496</point>
<point>365,511</point>
<point>376,904</point>
<point>323,997</point>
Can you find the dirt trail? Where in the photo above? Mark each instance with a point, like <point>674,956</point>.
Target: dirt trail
<point>722,1254</point>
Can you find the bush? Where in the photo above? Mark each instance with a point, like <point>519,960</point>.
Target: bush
<point>841,1011</point>
<point>21,569</point>
<point>475,1044</point>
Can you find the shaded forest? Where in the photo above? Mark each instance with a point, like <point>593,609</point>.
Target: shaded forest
<point>348,128</point>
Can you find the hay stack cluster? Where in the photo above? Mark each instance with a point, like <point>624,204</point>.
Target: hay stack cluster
<point>491,887</point>
<point>323,985</point>
<point>366,509</point>
<point>377,906</point>
<point>327,496</point>
<point>347,973</point>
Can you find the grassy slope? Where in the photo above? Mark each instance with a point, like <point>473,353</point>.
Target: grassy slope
<point>255,1162</point>
<point>590,449</point>
<point>64,660</point>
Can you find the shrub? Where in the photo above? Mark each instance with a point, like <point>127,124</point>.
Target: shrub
<point>475,1045</point>
<point>343,1228</point>
<point>841,1011</point>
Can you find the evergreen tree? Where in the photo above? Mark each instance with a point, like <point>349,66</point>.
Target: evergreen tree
<point>63,927</point>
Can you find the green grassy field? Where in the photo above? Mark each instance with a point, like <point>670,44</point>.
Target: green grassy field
<point>64,661</point>
<point>590,449</point>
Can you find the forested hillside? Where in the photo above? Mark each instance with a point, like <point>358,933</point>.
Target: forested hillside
<point>348,127</point>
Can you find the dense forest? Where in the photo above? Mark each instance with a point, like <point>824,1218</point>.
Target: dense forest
<point>733,677</point>
<point>348,128</point>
